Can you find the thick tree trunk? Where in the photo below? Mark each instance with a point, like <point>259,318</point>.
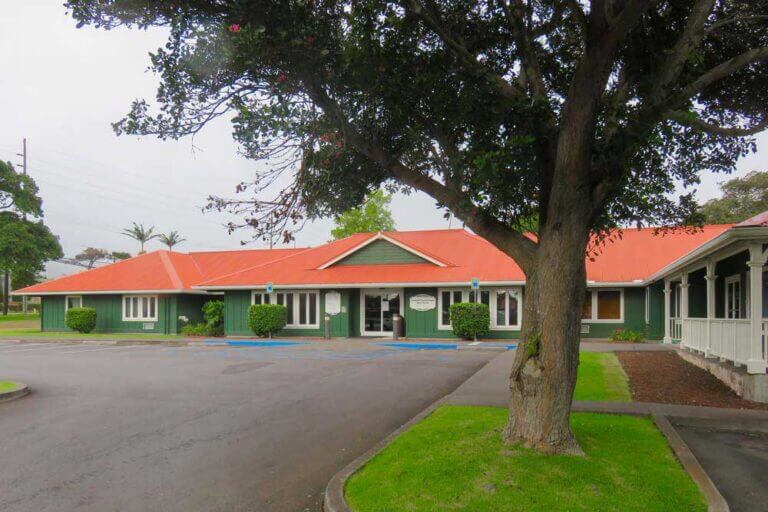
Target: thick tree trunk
<point>544,370</point>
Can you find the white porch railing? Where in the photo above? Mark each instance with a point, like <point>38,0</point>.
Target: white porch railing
<point>727,338</point>
<point>676,329</point>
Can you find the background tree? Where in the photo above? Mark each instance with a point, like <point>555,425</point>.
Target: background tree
<point>171,239</point>
<point>742,198</point>
<point>26,244</point>
<point>584,114</point>
<point>91,255</point>
<point>141,234</point>
<point>372,216</point>
<point>119,255</point>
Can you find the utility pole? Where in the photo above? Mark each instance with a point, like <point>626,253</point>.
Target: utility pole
<point>7,276</point>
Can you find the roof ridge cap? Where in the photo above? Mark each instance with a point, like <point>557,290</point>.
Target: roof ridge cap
<point>171,269</point>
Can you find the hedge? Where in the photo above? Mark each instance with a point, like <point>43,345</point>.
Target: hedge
<point>213,312</point>
<point>470,319</point>
<point>80,319</point>
<point>267,319</point>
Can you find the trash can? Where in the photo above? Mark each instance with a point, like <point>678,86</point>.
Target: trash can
<point>397,326</point>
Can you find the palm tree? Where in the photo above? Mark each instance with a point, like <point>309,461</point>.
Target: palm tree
<point>140,234</point>
<point>171,239</point>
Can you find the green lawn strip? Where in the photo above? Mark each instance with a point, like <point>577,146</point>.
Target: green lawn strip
<point>37,334</point>
<point>455,460</point>
<point>7,385</point>
<point>19,317</point>
<point>601,378</point>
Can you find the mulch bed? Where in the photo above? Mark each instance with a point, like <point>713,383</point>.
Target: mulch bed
<point>666,378</point>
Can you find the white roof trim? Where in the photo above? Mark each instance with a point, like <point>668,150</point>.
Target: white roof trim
<point>707,248</point>
<point>380,236</point>
<point>277,286</point>
<point>196,291</point>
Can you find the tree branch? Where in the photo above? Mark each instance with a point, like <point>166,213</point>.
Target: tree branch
<point>515,15</point>
<point>459,49</point>
<point>517,245</point>
<point>692,35</point>
<point>685,118</point>
<point>735,19</point>
<point>721,71</point>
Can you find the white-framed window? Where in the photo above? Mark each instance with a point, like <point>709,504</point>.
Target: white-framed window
<point>303,308</point>
<point>258,297</point>
<point>733,304</point>
<point>506,312</point>
<point>512,309</point>
<point>603,305</point>
<point>139,308</point>
<point>72,301</point>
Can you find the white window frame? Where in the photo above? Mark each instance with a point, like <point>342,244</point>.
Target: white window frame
<point>736,278</point>
<point>296,308</point>
<point>464,298</point>
<point>66,301</point>
<point>263,294</point>
<point>517,293</point>
<point>491,306</point>
<point>593,297</point>
<point>140,318</point>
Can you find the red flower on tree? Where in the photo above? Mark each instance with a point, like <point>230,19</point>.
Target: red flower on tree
<point>234,28</point>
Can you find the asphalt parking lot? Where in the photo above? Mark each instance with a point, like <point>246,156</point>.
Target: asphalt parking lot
<point>137,428</point>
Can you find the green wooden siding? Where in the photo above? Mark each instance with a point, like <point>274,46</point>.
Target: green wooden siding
<point>380,252</point>
<point>108,314</point>
<point>236,304</point>
<point>634,316</point>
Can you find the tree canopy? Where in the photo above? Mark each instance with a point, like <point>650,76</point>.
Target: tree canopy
<point>26,244</point>
<point>372,216</point>
<point>742,198</point>
<point>584,115</point>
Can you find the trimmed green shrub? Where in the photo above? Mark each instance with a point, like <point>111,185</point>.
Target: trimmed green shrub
<point>627,335</point>
<point>200,329</point>
<point>213,312</point>
<point>267,319</point>
<point>470,319</point>
<point>80,319</point>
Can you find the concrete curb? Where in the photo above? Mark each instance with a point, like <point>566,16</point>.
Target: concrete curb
<point>715,500</point>
<point>21,391</point>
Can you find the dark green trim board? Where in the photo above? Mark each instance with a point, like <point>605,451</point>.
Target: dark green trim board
<point>381,252</point>
<point>655,327</point>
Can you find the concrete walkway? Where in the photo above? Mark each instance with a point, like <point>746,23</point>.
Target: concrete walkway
<point>489,387</point>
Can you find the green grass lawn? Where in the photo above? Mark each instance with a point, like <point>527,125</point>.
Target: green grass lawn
<point>7,385</point>
<point>36,333</point>
<point>601,378</point>
<point>19,317</point>
<point>455,460</point>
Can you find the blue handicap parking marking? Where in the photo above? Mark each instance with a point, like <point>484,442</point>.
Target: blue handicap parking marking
<point>422,346</point>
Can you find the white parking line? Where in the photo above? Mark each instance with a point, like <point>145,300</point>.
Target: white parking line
<point>113,347</point>
<point>41,346</point>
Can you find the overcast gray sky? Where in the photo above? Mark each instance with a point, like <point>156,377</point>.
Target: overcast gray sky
<point>62,87</point>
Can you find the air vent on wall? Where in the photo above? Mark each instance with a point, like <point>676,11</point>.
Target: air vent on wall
<point>584,328</point>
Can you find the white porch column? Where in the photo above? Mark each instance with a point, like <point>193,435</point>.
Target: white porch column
<point>684,309</point>
<point>711,279</point>
<point>667,311</point>
<point>756,362</point>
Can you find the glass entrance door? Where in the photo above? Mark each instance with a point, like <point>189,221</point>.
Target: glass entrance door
<point>379,308</point>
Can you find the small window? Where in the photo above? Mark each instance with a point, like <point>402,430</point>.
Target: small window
<point>140,308</point>
<point>603,306</point>
<point>73,301</point>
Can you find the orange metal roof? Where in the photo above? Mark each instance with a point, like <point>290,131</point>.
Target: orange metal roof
<point>637,255</point>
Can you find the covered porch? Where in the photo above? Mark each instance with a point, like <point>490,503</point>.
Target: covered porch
<point>715,303</point>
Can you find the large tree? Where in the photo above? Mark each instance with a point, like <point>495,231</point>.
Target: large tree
<point>371,216</point>
<point>25,242</point>
<point>584,115</point>
<point>743,198</point>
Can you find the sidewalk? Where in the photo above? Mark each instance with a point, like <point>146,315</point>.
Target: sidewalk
<point>489,387</point>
